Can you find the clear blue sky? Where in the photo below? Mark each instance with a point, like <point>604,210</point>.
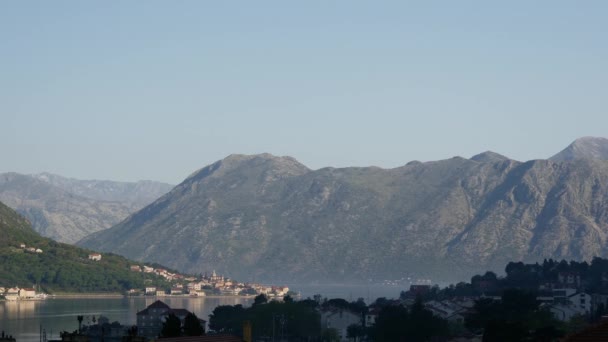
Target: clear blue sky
<point>129,90</point>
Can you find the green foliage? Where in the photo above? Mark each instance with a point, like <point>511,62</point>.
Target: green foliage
<point>396,323</point>
<point>293,319</point>
<point>516,317</point>
<point>172,326</point>
<point>60,267</point>
<point>227,319</point>
<point>192,326</point>
<point>260,299</point>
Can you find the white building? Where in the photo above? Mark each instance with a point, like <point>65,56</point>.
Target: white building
<point>95,257</point>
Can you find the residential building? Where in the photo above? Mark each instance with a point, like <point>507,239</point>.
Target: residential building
<point>371,316</point>
<point>12,293</point>
<point>27,293</point>
<point>95,257</point>
<point>339,320</point>
<point>582,301</point>
<point>569,279</point>
<point>150,320</point>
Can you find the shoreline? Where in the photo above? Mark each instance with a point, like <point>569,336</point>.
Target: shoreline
<point>118,295</point>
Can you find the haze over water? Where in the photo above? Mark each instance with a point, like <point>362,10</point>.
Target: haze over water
<point>24,319</point>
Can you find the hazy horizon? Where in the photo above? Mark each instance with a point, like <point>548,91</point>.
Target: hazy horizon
<point>202,166</point>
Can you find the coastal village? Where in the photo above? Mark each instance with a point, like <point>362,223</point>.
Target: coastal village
<point>213,284</point>
<point>180,285</point>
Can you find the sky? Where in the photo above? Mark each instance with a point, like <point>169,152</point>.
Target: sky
<point>130,90</point>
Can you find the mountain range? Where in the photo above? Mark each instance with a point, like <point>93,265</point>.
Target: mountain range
<point>272,218</point>
<point>67,209</point>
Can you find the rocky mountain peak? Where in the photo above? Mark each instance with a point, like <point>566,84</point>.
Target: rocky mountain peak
<point>265,162</point>
<point>488,157</point>
<point>584,148</point>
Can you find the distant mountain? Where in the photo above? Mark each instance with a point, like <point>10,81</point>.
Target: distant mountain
<point>67,209</point>
<point>272,218</point>
<point>584,148</point>
<point>57,266</point>
<point>133,194</point>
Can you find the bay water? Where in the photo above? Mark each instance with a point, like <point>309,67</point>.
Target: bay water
<point>24,320</point>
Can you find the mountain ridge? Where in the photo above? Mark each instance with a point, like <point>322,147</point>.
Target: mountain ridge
<point>584,148</point>
<point>263,217</point>
<point>66,209</point>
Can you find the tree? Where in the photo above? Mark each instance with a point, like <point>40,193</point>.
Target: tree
<point>172,326</point>
<point>227,319</point>
<point>337,303</point>
<point>260,299</point>
<point>192,326</point>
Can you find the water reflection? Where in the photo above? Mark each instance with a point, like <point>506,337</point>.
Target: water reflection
<point>24,319</point>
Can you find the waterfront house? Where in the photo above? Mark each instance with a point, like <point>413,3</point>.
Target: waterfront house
<point>150,290</point>
<point>12,293</point>
<point>150,320</point>
<point>27,293</point>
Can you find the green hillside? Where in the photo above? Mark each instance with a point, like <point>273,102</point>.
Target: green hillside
<point>60,267</point>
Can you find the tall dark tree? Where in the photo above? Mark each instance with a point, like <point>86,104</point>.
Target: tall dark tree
<point>227,319</point>
<point>260,299</point>
<point>172,326</point>
<point>192,326</point>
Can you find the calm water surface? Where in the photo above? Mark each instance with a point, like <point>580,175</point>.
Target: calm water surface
<point>23,319</point>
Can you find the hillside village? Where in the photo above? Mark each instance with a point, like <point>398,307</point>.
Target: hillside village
<point>214,284</point>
